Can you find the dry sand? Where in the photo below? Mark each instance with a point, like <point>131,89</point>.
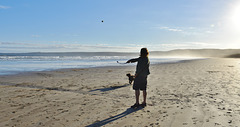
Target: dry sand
<point>200,93</point>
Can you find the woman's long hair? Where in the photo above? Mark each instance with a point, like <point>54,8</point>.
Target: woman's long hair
<point>144,52</point>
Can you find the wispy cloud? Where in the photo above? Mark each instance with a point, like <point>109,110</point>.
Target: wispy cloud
<point>203,44</point>
<point>4,7</point>
<point>189,31</point>
<point>13,43</point>
<point>170,29</point>
<point>33,47</point>
<point>35,36</point>
<point>182,45</point>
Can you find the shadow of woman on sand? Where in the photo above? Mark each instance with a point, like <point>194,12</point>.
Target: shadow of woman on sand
<point>114,118</point>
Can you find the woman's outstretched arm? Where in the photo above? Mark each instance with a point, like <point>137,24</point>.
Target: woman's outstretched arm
<point>132,60</point>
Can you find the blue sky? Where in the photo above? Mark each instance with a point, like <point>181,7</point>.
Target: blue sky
<point>159,25</point>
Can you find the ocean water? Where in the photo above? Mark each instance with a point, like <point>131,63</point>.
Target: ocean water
<point>14,63</point>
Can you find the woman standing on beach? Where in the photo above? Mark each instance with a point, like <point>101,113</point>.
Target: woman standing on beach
<point>142,71</point>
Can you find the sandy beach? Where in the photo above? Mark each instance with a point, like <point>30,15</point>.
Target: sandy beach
<point>198,93</point>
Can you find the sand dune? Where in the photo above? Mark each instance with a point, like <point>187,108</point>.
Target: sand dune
<point>233,56</point>
<point>200,93</point>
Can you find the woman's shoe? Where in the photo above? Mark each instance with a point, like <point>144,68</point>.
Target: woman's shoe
<point>143,105</point>
<point>135,106</point>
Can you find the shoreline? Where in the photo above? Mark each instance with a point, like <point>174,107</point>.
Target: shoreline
<point>49,70</point>
<point>186,94</point>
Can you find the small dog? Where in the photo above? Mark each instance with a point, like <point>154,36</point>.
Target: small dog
<point>130,78</point>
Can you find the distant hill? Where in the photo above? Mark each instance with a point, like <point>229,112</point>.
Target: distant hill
<point>199,53</point>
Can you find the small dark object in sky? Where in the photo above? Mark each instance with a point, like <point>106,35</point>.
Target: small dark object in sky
<point>102,20</point>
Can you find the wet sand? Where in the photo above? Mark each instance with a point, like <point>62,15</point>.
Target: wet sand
<point>199,93</point>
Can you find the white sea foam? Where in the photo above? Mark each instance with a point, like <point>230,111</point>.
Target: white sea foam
<point>15,63</point>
